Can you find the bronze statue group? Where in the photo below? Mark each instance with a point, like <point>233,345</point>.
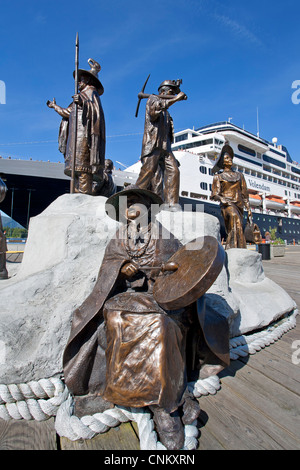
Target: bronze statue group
<point>125,347</point>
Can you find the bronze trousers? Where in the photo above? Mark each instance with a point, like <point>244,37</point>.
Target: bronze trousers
<point>84,183</point>
<point>160,174</point>
<point>233,219</point>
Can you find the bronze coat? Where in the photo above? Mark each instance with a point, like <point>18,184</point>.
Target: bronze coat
<point>84,359</point>
<point>90,147</point>
<point>158,130</point>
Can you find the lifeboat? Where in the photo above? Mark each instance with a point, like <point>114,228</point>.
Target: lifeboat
<point>275,202</point>
<point>255,199</point>
<point>295,207</point>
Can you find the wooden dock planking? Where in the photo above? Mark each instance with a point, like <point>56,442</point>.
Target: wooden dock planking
<point>258,404</point>
<point>256,408</point>
<point>28,435</point>
<point>123,437</point>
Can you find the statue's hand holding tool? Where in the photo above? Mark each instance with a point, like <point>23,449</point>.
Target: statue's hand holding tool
<point>77,99</point>
<point>129,269</point>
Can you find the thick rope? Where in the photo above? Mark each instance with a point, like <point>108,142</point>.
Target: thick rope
<point>39,400</point>
<point>242,346</point>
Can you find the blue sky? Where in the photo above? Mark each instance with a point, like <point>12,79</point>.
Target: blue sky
<point>232,56</point>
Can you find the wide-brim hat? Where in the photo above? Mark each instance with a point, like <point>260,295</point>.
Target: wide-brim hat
<point>93,74</point>
<point>219,165</point>
<point>131,190</point>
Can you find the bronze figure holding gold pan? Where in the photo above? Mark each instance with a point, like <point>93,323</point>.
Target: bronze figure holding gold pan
<point>159,172</point>
<point>230,189</point>
<point>128,344</point>
<point>82,130</point>
<point>3,246</point>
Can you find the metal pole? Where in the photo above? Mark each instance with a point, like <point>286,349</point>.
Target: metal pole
<point>12,202</point>
<point>28,208</point>
<point>72,189</point>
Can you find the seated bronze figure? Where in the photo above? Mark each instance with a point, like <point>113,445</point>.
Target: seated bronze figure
<point>124,348</point>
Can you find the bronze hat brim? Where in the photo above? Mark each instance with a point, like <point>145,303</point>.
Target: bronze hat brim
<point>131,191</point>
<point>96,80</point>
<point>219,165</point>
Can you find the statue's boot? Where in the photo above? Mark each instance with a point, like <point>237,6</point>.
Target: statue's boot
<point>190,409</point>
<point>169,428</point>
<point>90,404</point>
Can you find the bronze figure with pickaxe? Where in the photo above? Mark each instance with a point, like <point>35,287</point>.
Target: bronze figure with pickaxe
<point>160,169</point>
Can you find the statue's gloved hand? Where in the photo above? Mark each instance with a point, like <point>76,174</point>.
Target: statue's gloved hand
<point>77,99</point>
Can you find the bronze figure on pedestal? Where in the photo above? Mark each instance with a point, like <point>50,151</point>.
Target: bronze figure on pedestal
<point>159,172</point>
<point>125,347</point>
<point>83,127</point>
<point>230,189</point>
<point>3,246</point>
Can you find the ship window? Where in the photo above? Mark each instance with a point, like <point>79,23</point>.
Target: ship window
<point>268,159</point>
<point>267,168</point>
<point>248,160</point>
<point>210,171</point>
<point>203,186</point>
<point>247,150</point>
<point>184,193</point>
<point>181,137</point>
<point>203,170</point>
<point>296,170</point>
<point>198,196</point>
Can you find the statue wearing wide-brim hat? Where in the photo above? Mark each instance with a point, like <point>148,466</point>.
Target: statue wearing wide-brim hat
<point>131,191</point>
<point>219,165</point>
<point>82,135</point>
<point>93,74</point>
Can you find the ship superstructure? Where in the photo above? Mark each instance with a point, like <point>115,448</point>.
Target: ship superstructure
<point>273,178</point>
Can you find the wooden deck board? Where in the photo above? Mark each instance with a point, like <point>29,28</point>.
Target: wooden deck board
<point>27,435</point>
<point>258,404</point>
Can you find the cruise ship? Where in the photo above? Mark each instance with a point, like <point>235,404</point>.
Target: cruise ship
<point>273,178</point>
